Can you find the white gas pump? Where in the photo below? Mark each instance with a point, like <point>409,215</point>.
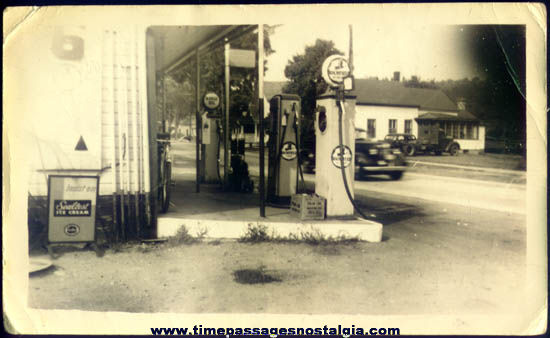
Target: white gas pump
<point>335,139</point>
<point>283,148</point>
<point>210,136</point>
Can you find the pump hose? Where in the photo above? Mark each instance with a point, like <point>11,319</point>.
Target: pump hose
<point>298,155</point>
<point>340,112</point>
<point>277,164</point>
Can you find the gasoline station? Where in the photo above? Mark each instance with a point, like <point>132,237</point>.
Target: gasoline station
<point>126,173</point>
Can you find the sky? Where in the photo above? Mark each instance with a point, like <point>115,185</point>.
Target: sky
<point>430,52</point>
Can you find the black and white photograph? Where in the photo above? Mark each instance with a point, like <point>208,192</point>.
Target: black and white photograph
<point>342,169</point>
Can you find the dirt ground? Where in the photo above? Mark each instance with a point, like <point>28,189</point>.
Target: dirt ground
<point>434,259</point>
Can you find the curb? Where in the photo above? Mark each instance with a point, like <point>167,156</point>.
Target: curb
<point>364,230</point>
<point>491,170</point>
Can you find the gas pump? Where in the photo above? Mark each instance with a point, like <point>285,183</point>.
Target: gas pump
<point>335,138</point>
<point>283,148</point>
<point>210,136</point>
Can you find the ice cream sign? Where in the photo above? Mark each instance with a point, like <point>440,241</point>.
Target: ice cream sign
<point>72,208</point>
<point>68,208</point>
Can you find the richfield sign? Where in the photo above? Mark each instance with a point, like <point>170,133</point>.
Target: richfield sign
<point>72,208</point>
<point>211,101</point>
<point>335,69</point>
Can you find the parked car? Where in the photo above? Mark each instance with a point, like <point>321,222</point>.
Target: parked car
<point>405,142</point>
<point>430,140</point>
<point>371,158</point>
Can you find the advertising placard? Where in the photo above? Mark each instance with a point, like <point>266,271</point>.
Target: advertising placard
<point>72,204</point>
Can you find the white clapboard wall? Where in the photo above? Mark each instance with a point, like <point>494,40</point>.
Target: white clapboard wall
<point>99,98</point>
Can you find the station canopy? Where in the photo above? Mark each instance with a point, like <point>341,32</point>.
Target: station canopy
<point>175,44</point>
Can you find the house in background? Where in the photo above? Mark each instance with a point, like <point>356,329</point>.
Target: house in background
<point>385,107</point>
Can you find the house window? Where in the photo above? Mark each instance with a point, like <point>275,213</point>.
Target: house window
<point>392,129</point>
<point>469,131</point>
<point>455,130</point>
<point>371,128</point>
<point>472,131</point>
<point>408,126</point>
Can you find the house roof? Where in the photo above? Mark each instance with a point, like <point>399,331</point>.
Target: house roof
<point>391,93</point>
<point>461,116</point>
<point>384,92</point>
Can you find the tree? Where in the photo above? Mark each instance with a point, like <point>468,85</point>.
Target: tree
<point>415,82</point>
<point>304,73</point>
<point>179,101</point>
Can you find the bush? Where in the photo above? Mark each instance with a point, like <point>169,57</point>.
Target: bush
<point>184,237</point>
<point>259,233</point>
<point>256,234</point>
<point>316,238</point>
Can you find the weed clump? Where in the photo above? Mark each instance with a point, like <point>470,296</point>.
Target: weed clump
<point>260,233</point>
<point>256,234</point>
<point>315,237</point>
<point>184,237</point>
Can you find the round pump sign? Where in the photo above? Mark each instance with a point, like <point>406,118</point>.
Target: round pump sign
<point>339,154</point>
<point>335,69</point>
<point>211,101</point>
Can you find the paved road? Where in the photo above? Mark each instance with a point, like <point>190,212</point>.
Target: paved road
<point>474,193</point>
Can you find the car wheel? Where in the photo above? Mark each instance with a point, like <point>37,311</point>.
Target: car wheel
<point>410,150</point>
<point>396,175</point>
<point>453,150</point>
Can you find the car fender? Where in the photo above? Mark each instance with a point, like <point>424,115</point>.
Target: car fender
<point>451,144</point>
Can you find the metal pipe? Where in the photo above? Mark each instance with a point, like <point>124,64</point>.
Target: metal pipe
<point>150,116</point>
<point>135,141</point>
<point>111,108</point>
<point>226,133</point>
<point>163,86</point>
<point>125,119</point>
<point>197,122</point>
<point>119,128</point>
<point>144,131</point>
<point>261,115</point>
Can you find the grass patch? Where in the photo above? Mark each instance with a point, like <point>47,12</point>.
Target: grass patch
<point>183,236</point>
<point>260,233</point>
<point>256,234</point>
<point>483,160</point>
<point>315,237</point>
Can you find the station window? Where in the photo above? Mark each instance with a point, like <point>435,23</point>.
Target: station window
<point>408,126</point>
<point>371,128</point>
<point>392,128</point>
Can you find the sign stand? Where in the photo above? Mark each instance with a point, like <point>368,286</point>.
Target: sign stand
<point>210,136</point>
<point>72,205</point>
